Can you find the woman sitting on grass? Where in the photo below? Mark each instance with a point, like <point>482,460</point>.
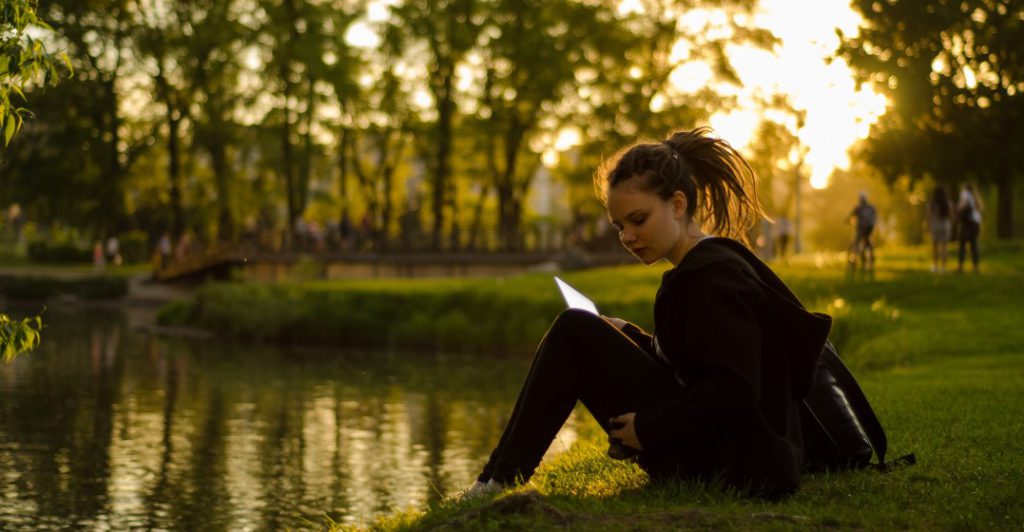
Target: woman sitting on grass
<point>712,395</point>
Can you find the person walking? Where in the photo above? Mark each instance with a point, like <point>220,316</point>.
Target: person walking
<point>968,210</point>
<point>712,394</point>
<point>940,225</point>
<point>864,216</point>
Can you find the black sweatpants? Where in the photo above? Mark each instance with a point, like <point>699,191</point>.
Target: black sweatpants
<point>582,357</point>
<point>969,236</point>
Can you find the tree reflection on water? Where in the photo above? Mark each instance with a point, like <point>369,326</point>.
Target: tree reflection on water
<point>105,427</point>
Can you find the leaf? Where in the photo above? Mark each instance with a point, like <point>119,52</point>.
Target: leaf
<point>8,130</point>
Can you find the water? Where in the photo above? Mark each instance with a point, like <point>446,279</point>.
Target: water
<point>108,428</point>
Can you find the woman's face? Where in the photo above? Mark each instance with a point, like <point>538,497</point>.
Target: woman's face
<point>649,227</point>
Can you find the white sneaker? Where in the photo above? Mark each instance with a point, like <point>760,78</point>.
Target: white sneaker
<point>481,489</point>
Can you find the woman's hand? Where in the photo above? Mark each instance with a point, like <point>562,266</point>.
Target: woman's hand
<point>622,428</point>
<point>619,324</point>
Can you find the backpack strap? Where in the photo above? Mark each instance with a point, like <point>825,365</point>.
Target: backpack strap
<point>865,414</point>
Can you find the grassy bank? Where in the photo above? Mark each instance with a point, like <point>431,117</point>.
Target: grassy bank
<point>941,357</point>
<point>506,314</point>
<point>40,287</point>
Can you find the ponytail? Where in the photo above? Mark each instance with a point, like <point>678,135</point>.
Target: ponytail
<point>719,185</point>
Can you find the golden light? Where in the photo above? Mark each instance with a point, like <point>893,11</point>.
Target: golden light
<point>361,35</point>
<point>566,139</point>
<point>837,112</point>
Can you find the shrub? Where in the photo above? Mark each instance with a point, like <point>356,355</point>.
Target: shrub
<point>175,313</point>
<point>58,252</point>
<point>134,247</point>
<point>91,288</point>
<point>31,288</point>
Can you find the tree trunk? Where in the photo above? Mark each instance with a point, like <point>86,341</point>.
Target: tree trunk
<point>505,193</point>
<point>343,139</point>
<point>444,141</point>
<point>222,180</point>
<point>387,175</point>
<point>287,171</point>
<point>108,121</point>
<point>174,172</point>
<point>306,169</point>
<point>478,212</point>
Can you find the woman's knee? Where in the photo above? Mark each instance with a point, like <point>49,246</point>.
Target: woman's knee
<point>575,324</point>
<point>576,320</point>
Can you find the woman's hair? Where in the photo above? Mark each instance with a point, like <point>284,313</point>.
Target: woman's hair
<point>719,185</point>
<point>940,202</point>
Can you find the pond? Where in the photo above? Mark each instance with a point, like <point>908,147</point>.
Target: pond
<point>106,426</point>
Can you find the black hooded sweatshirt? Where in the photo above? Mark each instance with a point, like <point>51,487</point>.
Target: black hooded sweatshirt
<point>745,350</point>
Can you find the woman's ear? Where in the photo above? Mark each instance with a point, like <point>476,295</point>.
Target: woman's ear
<point>679,204</point>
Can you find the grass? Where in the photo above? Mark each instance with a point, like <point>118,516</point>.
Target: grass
<point>940,357</point>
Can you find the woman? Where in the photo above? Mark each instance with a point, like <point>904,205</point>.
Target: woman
<point>969,217</point>
<point>940,225</point>
<point>713,393</point>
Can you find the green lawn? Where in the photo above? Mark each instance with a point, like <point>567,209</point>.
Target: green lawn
<point>940,357</point>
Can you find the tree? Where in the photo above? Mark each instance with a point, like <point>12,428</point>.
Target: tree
<point>97,35</point>
<point>448,29</point>
<point>295,33</point>
<point>159,37</point>
<point>954,74</point>
<point>22,59</point>
<point>214,70</point>
<point>631,92</point>
<point>532,52</point>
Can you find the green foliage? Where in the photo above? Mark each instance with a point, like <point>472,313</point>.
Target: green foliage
<point>135,247</point>
<point>17,337</point>
<point>99,287</point>
<point>23,60</point>
<point>952,72</point>
<point>175,312</point>
<point>162,128</point>
<point>66,252</point>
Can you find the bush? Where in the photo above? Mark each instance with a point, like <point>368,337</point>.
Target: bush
<point>31,288</point>
<point>58,252</point>
<point>91,288</point>
<point>175,313</point>
<point>134,247</point>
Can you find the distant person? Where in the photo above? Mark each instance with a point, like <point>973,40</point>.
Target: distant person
<point>346,232</point>
<point>114,251</point>
<point>864,216</point>
<point>366,232</point>
<point>184,247</point>
<point>15,221</point>
<point>163,247</point>
<point>714,395</point>
<point>968,210</point>
<point>98,260</point>
<point>783,231</point>
<point>940,225</point>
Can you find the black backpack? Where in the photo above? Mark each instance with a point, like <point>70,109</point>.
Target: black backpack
<point>840,429</point>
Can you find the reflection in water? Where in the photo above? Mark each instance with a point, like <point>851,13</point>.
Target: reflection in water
<point>106,428</point>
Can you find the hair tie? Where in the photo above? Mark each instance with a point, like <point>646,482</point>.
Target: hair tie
<point>675,154</point>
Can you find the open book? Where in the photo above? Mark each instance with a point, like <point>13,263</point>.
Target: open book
<point>574,298</point>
